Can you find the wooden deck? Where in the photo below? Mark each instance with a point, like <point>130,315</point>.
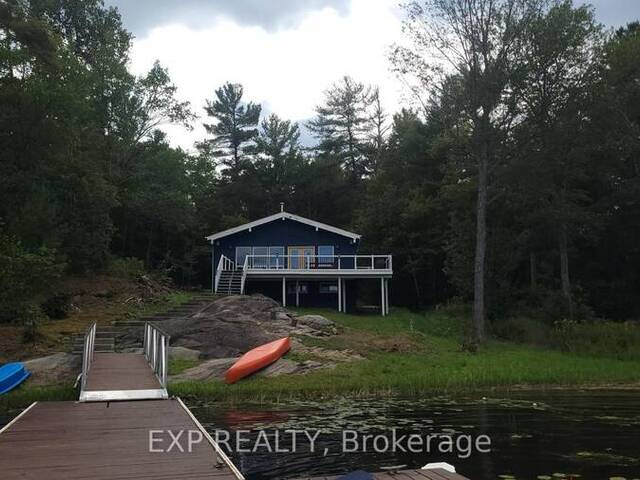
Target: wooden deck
<point>121,376</point>
<point>437,474</point>
<point>67,441</point>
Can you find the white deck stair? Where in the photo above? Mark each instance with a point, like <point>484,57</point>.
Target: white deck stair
<point>230,282</point>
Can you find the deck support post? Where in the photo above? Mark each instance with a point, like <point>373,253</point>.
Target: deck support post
<point>382,305</point>
<point>344,296</point>
<point>386,295</point>
<point>213,268</point>
<point>339,294</point>
<point>284,291</point>
<point>297,294</point>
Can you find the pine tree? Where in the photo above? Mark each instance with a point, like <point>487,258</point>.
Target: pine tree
<point>234,130</point>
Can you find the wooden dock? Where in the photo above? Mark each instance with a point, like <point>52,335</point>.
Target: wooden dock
<point>70,440</point>
<point>124,427</point>
<point>437,474</point>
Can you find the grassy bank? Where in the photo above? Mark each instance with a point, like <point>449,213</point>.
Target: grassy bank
<point>417,354</point>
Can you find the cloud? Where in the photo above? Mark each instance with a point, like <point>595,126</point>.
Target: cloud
<point>615,13</point>
<point>284,52</point>
<point>142,15</point>
<point>286,70</point>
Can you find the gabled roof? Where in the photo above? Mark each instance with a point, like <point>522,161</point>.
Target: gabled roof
<point>283,216</point>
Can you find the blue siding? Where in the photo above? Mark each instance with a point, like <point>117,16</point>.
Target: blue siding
<point>285,233</point>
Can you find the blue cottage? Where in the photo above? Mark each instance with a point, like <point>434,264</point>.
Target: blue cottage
<point>297,261</point>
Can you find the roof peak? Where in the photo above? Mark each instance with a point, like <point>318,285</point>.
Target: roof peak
<point>284,215</point>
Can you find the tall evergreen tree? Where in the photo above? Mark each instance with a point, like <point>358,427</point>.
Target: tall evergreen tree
<point>235,128</point>
<point>342,126</point>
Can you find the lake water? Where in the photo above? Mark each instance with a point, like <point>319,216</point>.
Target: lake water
<point>590,435</point>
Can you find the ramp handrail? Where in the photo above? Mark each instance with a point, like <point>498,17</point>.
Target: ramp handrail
<point>87,352</point>
<point>156,351</point>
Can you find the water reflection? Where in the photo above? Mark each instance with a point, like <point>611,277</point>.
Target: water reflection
<point>587,435</point>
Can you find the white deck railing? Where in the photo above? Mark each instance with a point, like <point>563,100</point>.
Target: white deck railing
<point>87,353</point>
<point>156,350</point>
<point>318,262</point>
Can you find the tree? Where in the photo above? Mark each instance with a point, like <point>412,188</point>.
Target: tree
<point>481,42</point>
<point>279,159</point>
<point>342,126</point>
<point>555,92</point>
<point>235,128</point>
<point>153,103</point>
<point>379,130</point>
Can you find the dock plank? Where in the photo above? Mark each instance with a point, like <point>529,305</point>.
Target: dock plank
<point>120,371</point>
<point>437,474</point>
<point>68,440</point>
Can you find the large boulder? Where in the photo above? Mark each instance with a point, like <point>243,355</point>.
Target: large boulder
<point>56,369</point>
<point>209,370</point>
<point>316,321</point>
<point>233,325</point>
<point>216,368</point>
<point>183,353</point>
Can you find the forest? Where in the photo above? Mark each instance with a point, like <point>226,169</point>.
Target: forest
<point>512,184</point>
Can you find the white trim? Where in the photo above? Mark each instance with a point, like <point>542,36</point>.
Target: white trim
<point>114,395</point>
<point>220,453</point>
<point>283,216</point>
<point>22,414</point>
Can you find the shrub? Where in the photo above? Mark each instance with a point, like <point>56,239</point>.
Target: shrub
<point>521,330</point>
<point>31,316</point>
<point>597,338</point>
<point>128,267</point>
<point>58,306</point>
<point>24,275</point>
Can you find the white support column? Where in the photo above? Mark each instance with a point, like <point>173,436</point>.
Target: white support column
<point>339,294</point>
<point>382,306</point>
<point>386,295</point>
<point>284,291</point>
<point>344,296</point>
<point>297,294</point>
<point>213,267</point>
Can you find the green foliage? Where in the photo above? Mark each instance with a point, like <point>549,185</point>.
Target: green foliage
<point>24,276</point>
<point>57,306</point>
<point>131,268</point>
<point>85,173</point>
<point>31,316</point>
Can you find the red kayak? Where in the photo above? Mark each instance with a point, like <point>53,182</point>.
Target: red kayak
<point>256,359</point>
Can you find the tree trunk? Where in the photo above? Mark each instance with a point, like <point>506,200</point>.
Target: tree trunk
<point>149,249</point>
<point>416,284</point>
<point>533,271</point>
<point>564,268</point>
<point>481,245</point>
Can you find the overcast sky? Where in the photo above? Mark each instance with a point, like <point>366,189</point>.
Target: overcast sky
<point>284,52</point>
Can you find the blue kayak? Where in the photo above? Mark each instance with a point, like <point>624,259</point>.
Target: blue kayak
<point>12,375</point>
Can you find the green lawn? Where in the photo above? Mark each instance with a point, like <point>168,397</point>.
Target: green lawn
<point>412,353</point>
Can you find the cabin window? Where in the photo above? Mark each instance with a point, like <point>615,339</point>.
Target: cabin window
<point>327,287</point>
<point>241,254</point>
<point>325,256</point>
<point>276,257</point>
<point>261,257</point>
